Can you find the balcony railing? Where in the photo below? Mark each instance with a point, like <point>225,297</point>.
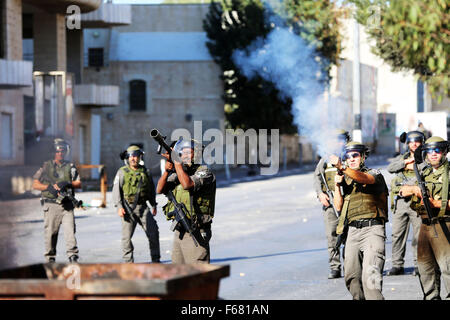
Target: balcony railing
<point>16,73</point>
<point>96,95</point>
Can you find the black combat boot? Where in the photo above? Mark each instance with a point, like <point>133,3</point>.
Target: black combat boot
<point>73,259</point>
<point>396,271</point>
<point>334,274</point>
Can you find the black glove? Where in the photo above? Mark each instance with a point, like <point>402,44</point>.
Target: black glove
<point>52,190</point>
<point>63,185</point>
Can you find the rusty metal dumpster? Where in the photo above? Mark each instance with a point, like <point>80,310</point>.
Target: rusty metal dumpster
<point>139,281</point>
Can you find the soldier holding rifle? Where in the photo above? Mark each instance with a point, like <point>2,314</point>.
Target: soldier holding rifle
<point>403,168</point>
<point>57,179</point>
<point>363,206</point>
<point>133,195</point>
<point>324,186</point>
<point>192,190</point>
<point>431,200</point>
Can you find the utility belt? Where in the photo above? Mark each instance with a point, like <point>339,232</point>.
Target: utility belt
<point>47,201</point>
<point>362,223</point>
<point>429,222</point>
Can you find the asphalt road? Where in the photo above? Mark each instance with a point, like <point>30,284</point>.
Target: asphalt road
<point>270,231</point>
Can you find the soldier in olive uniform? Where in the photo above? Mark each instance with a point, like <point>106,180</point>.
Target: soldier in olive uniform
<point>363,205</point>
<point>133,187</point>
<point>433,249</point>
<point>55,176</point>
<point>403,214</point>
<point>326,170</point>
<point>193,185</point>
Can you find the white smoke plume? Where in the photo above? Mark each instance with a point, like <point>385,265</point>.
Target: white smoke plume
<point>294,67</point>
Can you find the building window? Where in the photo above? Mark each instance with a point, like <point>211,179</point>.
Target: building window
<point>420,97</point>
<point>95,58</point>
<point>138,95</point>
<point>82,136</point>
<point>2,36</point>
<point>6,125</point>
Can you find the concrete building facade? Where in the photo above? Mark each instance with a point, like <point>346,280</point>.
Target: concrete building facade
<point>385,103</point>
<point>167,78</point>
<point>41,59</point>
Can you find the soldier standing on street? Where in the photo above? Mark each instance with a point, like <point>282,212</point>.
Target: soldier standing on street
<point>132,188</point>
<point>403,214</point>
<point>193,185</point>
<point>433,249</point>
<point>363,206</point>
<point>55,176</point>
<point>326,170</point>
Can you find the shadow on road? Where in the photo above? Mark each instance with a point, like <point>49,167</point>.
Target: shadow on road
<point>267,255</point>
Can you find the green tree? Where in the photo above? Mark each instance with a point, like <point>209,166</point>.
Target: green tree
<point>411,35</point>
<point>235,24</point>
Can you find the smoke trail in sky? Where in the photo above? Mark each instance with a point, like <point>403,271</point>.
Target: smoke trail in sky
<point>295,68</point>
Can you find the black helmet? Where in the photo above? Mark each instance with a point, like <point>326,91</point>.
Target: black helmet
<point>192,144</point>
<point>436,144</point>
<point>357,146</point>
<point>412,136</point>
<point>61,145</point>
<point>134,150</point>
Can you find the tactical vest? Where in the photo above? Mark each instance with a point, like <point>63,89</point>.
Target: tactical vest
<point>400,180</point>
<point>364,202</point>
<point>330,173</point>
<point>53,173</point>
<point>130,185</point>
<point>203,200</point>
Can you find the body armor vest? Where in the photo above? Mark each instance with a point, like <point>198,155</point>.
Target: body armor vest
<point>366,201</point>
<point>203,200</point>
<point>405,177</point>
<point>330,173</point>
<point>130,185</point>
<point>53,173</point>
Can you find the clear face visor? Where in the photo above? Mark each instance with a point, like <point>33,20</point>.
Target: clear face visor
<point>414,139</point>
<point>351,155</point>
<point>61,149</point>
<point>136,153</point>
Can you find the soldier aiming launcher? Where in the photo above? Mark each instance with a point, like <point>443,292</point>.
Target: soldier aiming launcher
<point>179,214</point>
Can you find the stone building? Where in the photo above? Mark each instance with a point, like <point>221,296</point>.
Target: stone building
<point>42,91</point>
<point>167,78</point>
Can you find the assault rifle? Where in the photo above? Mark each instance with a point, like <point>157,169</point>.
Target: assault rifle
<point>181,221</point>
<point>330,195</point>
<point>64,194</point>
<point>423,189</point>
<point>341,238</point>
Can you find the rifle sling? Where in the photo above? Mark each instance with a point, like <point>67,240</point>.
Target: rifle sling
<point>444,193</point>
<point>343,216</point>
<point>444,202</point>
